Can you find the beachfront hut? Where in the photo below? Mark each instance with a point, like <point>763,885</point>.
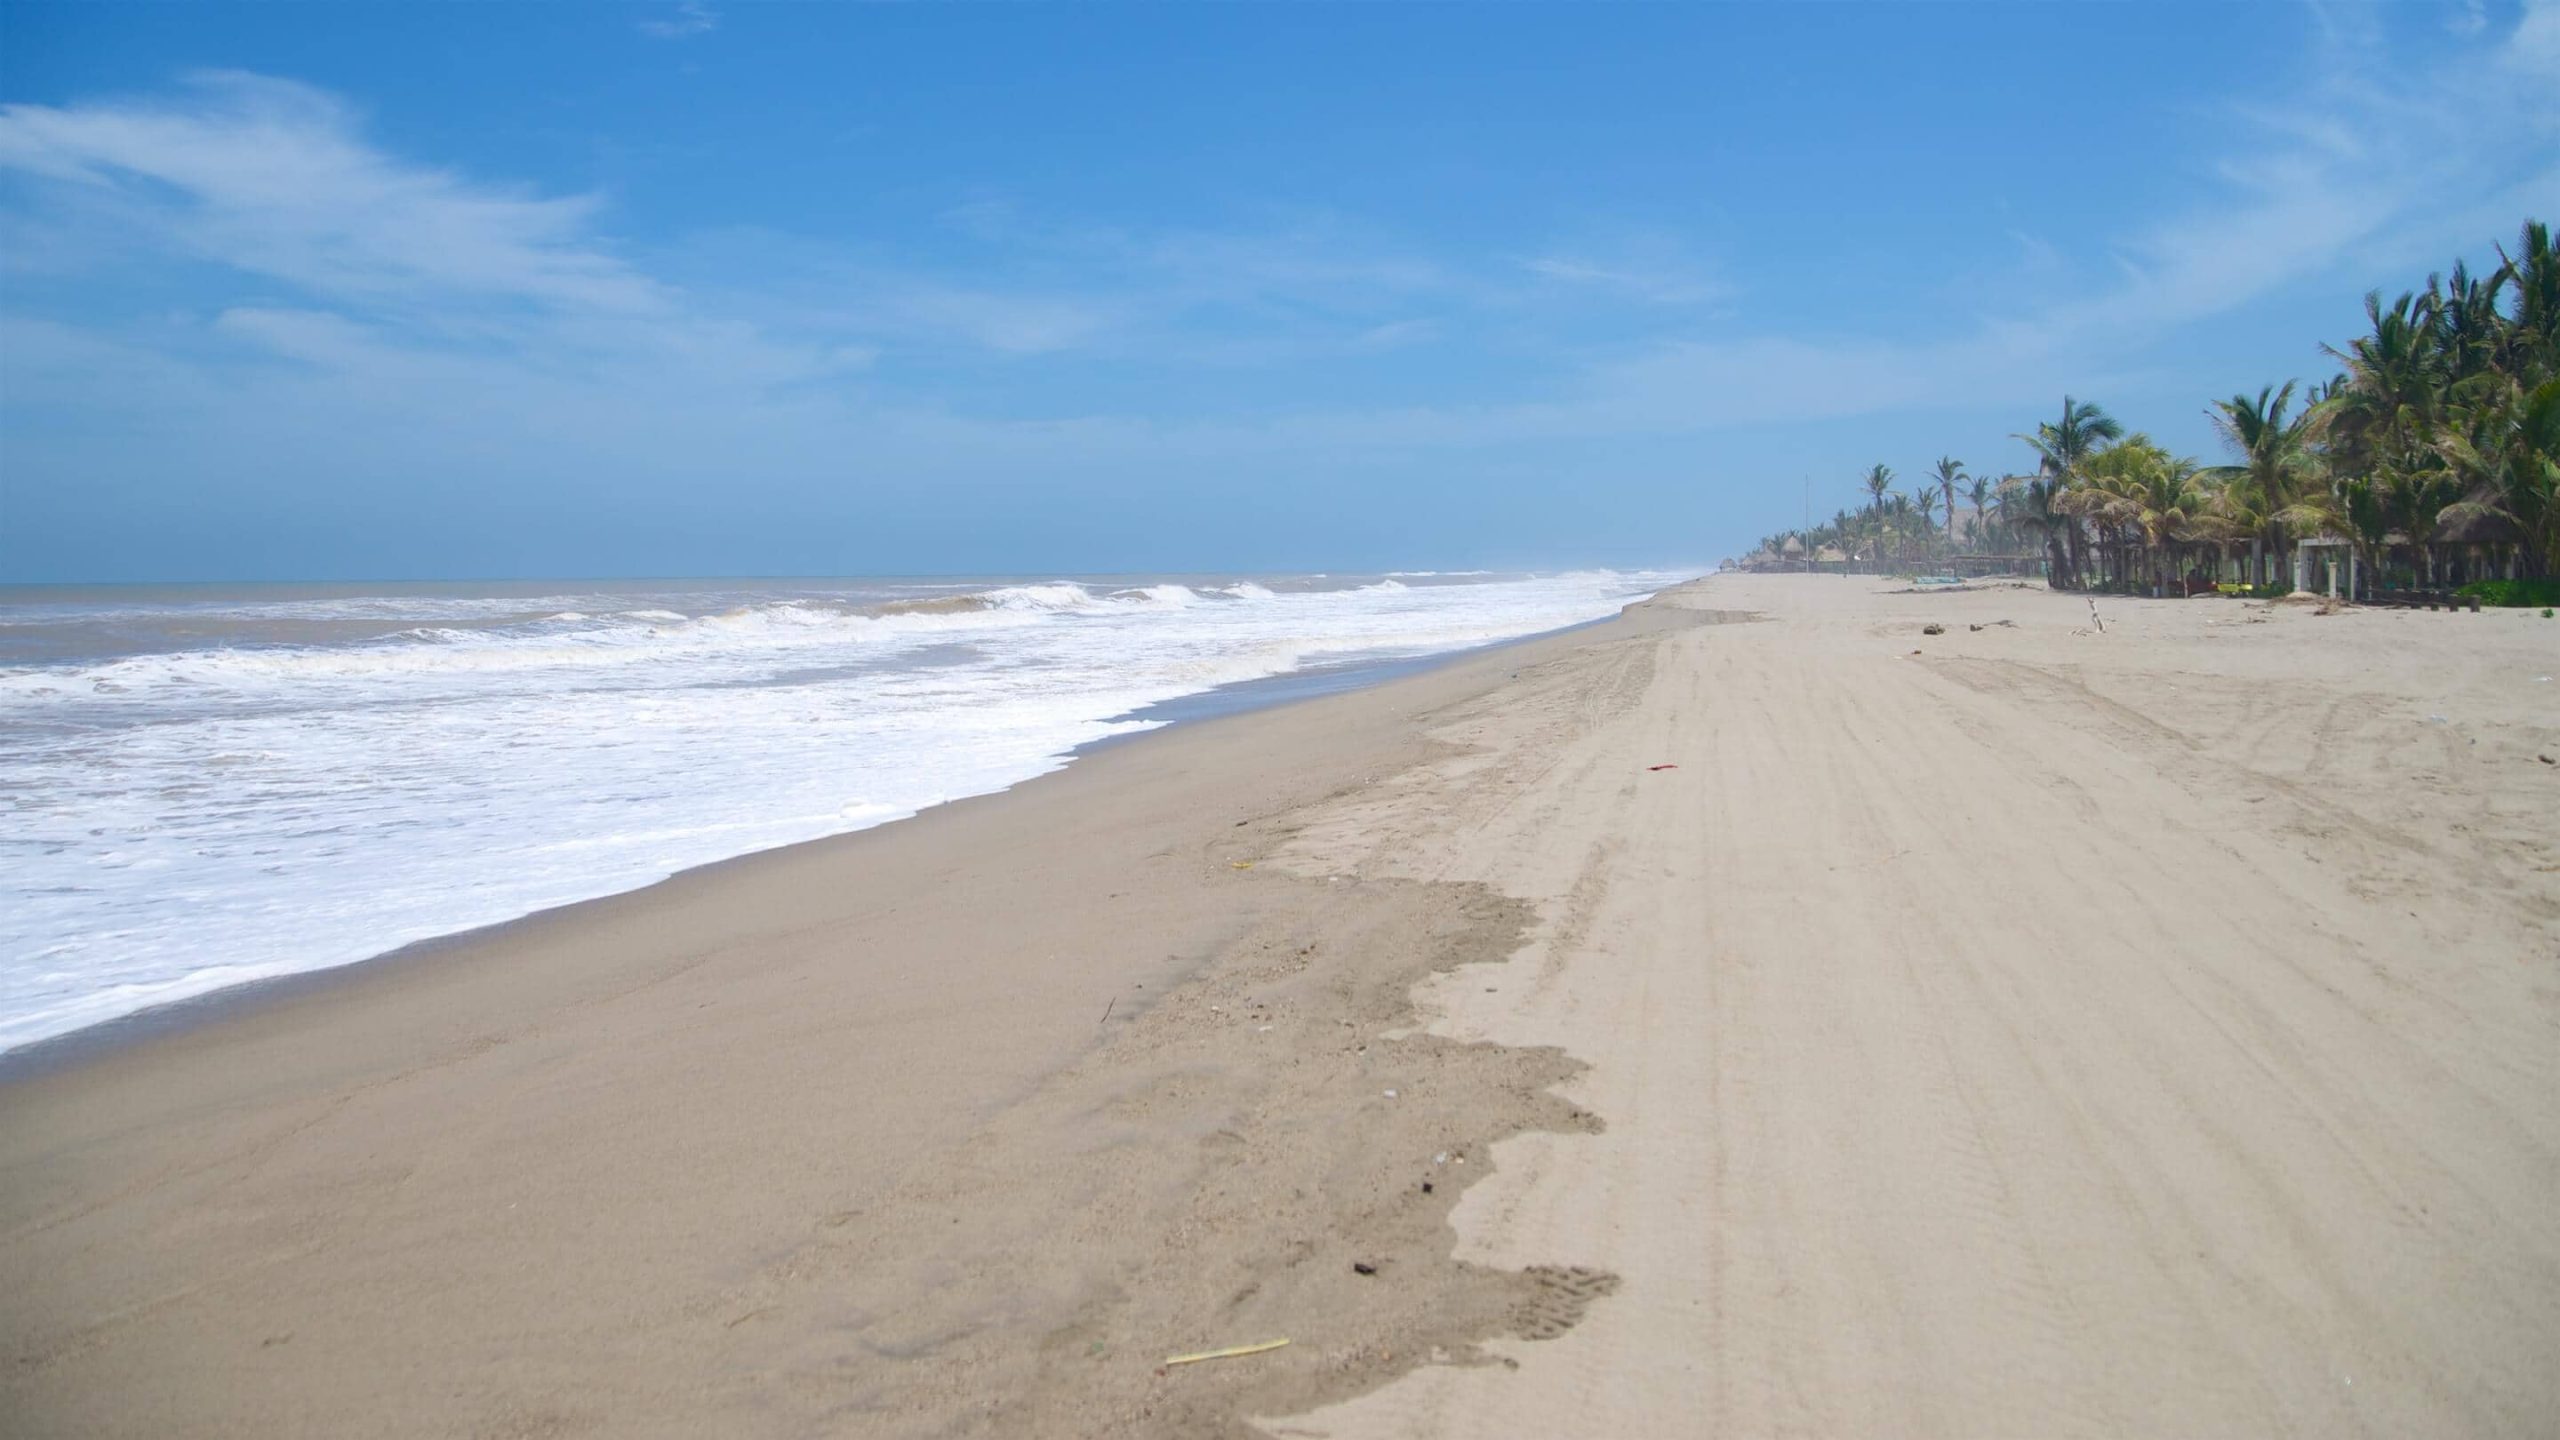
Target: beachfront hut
<point>2473,547</point>
<point>2332,557</point>
<point>2332,562</point>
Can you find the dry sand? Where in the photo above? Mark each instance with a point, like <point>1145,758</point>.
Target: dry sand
<point>2152,1032</point>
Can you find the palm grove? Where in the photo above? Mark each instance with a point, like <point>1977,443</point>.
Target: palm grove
<point>2434,456</point>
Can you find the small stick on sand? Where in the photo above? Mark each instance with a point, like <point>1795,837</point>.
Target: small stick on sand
<point>1229,1353</point>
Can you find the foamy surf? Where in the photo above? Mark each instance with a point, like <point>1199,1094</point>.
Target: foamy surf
<point>212,787</point>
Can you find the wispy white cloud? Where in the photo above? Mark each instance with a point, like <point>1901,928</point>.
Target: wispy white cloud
<point>2379,167</point>
<point>689,18</point>
<point>278,180</point>
<point>271,177</point>
<point>2380,164</point>
<point>367,268</point>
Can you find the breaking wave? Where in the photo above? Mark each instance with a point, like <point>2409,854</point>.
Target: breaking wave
<point>341,775</point>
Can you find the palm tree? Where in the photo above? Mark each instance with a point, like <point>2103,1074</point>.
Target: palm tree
<point>2026,506</point>
<point>2061,449</point>
<point>2533,272</point>
<point>1879,483</point>
<point>2435,421</point>
<point>2443,424</point>
<point>1948,472</point>
<point>2149,497</point>
<point>1924,508</point>
<point>2380,418</point>
<point>2465,328</point>
<point>2271,480</point>
<point>2510,458</point>
<point>1978,494</point>
<point>2418,500</point>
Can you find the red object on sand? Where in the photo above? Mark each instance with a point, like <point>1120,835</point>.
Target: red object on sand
<point>1662,767</point>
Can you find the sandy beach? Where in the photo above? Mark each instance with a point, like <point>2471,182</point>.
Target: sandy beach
<point>1752,1015</point>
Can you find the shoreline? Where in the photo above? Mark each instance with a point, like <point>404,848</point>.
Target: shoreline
<point>1242,697</point>
<point>632,1097</point>
<point>1930,1034</point>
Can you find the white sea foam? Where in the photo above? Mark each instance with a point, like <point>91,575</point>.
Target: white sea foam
<point>189,816</point>
<point>1040,597</point>
<point>1169,597</point>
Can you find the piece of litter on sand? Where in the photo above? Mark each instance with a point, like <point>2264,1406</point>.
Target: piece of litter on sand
<point>1229,1353</point>
<point>1363,1267</point>
<point>1239,864</point>
<point>1662,767</point>
<point>1390,1094</point>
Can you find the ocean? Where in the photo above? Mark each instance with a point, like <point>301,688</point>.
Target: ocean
<point>205,785</point>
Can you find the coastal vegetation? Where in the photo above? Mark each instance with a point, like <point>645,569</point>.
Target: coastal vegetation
<point>2429,461</point>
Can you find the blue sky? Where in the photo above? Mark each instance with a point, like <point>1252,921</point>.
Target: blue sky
<point>358,291</point>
